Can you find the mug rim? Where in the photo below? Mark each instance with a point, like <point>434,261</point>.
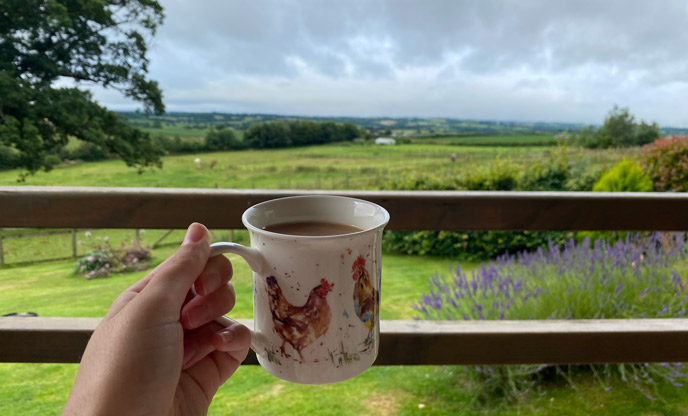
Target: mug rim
<point>253,228</point>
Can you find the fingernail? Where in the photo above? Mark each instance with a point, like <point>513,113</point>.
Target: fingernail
<point>197,316</point>
<point>194,233</point>
<point>189,352</point>
<point>226,336</point>
<point>212,283</point>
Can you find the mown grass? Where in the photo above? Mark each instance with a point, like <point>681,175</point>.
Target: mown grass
<point>52,290</point>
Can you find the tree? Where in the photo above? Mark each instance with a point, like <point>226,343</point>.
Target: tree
<point>619,130</point>
<point>221,138</point>
<point>96,41</point>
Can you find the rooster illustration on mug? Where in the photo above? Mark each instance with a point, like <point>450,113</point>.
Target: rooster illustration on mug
<point>366,297</point>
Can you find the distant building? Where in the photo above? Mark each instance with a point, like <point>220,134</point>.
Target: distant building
<point>387,141</point>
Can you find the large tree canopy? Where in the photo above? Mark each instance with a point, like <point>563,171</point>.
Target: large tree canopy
<point>97,41</point>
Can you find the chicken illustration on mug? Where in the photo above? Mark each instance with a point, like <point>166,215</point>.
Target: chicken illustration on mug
<point>366,298</point>
<point>299,325</point>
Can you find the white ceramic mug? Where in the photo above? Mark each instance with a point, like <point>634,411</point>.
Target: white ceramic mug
<point>316,299</point>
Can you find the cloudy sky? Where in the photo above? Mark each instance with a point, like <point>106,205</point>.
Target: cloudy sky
<point>525,60</point>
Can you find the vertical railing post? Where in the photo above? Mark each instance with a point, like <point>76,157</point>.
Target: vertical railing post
<point>74,253</point>
<point>2,254</point>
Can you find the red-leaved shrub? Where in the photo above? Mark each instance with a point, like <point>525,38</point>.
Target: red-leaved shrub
<point>666,161</point>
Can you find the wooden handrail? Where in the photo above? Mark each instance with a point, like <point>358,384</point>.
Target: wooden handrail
<point>166,208</point>
<point>62,340</point>
<point>402,342</point>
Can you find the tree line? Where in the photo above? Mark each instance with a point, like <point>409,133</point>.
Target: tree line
<point>266,135</point>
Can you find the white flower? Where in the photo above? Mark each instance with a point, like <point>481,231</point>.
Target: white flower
<point>87,234</point>
<point>197,160</point>
<point>106,239</point>
<point>142,231</point>
<point>90,259</point>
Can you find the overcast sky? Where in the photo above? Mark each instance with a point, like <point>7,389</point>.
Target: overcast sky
<point>525,60</point>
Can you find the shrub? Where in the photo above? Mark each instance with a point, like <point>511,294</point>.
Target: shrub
<point>554,173</point>
<point>666,161</point>
<point>503,175</point>
<point>619,130</point>
<point>471,245</point>
<point>222,139</point>
<point>52,160</point>
<point>85,151</point>
<point>626,176</point>
<point>96,263</point>
<point>638,277</point>
<point>9,158</point>
<point>102,259</point>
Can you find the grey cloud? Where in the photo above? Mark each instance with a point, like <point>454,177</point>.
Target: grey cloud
<point>258,37</point>
<point>526,59</point>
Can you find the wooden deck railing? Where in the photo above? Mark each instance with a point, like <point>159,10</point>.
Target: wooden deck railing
<point>402,342</point>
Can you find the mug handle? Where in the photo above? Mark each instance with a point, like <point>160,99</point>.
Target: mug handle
<point>256,262</point>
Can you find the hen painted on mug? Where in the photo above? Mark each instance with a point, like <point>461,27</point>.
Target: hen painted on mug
<point>366,298</point>
<point>299,326</point>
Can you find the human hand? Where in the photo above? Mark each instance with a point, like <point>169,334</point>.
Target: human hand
<point>158,350</point>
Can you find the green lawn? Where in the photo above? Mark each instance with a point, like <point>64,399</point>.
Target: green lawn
<point>52,290</point>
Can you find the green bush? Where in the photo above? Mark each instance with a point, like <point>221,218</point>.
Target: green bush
<point>86,151</point>
<point>222,139</point>
<point>52,160</point>
<point>666,162</point>
<point>554,173</point>
<point>9,158</point>
<point>471,245</point>
<point>503,175</point>
<point>626,176</point>
<point>619,130</point>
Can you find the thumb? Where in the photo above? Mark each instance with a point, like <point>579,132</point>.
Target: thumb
<point>172,280</point>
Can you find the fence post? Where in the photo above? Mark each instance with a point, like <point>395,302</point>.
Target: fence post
<point>74,254</point>
<point>2,254</point>
<point>155,245</point>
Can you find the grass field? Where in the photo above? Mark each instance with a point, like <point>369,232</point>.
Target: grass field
<point>314,167</point>
<point>490,140</point>
<point>52,290</point>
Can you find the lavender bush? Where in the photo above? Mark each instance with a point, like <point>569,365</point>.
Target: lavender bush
<point>635,277</point>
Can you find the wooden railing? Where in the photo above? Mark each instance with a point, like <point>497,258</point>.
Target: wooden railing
<point>402,342</point>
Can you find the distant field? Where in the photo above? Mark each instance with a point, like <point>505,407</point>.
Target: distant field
<point>314,167</point>
<point>490,140</point>
<point>181,131</point>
